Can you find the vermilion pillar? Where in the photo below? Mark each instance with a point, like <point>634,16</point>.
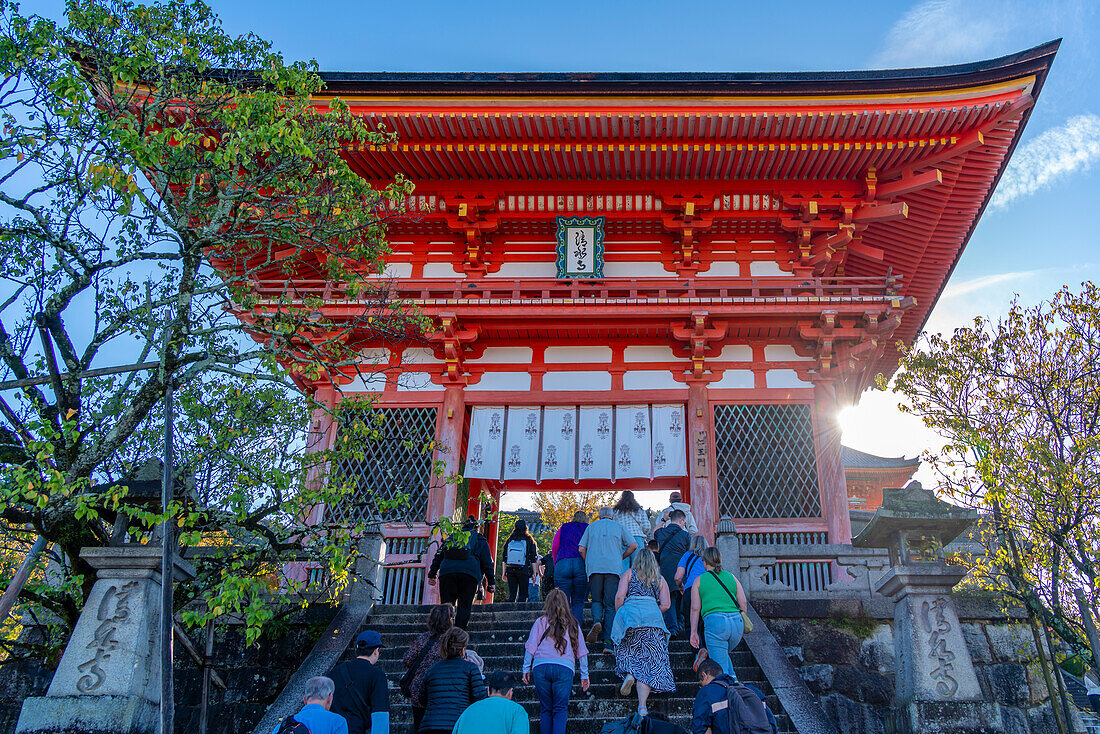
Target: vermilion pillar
<point>704,494</point>
<point>830,466</point>
<point>441,496</point>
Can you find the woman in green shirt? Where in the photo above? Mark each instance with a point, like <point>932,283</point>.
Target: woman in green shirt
<point>719,601</point>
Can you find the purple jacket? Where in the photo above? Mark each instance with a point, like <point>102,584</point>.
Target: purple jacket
<point>567,540</point>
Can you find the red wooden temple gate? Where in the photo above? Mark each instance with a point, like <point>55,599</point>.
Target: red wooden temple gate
<point>767,239</point>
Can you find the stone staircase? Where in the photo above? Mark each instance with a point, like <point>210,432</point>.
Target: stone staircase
<point>497,634</point>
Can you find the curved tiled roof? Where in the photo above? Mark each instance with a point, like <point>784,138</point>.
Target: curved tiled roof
<point>854,459</point>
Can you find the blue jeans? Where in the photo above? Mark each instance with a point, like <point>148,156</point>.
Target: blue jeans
<point>553,684</point>
<point>604,586</point>
<point>570,577</point>
<point>672,614</point>
<point>723,632</point>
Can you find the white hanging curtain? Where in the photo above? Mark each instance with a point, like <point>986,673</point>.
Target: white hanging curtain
<point>486,445</point>
<point>632,442</point>
<point>594,442</point>
<point>521,443</point>
<point>559,443</point>
<point>669,441</point>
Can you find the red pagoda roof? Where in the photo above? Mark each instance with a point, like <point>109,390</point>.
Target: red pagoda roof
<point>914,153</point>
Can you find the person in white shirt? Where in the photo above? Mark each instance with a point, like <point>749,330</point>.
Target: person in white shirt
<point>677,503</point>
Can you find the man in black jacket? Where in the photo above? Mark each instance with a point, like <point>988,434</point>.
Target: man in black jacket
<point>460,569</point>
<point>362,693</point>
<point>672,541</point>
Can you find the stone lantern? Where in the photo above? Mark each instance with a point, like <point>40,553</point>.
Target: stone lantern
<point>937,689</point>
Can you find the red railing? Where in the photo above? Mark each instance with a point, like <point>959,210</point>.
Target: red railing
<point>427,289</point>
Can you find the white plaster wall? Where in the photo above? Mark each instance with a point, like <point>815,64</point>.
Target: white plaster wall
<point>375,355</point>
<point>576,381</point>
<point>735,353</point>
<point>636,270</point>
<point>492,381</point>
<point>416,382</point>
<point>783,353</point>
<point>526,270</point>
<point>785,378</point>
<point>587,355</point>
<point>505,355</point>
<point>734,380</point>
<point>395,270</point>
<point>723,268</point>
<point>419,355</point>
<point>441,270</point>
<point>367,382</point>
<point>651,380</point>
<point>649,354</point>
<point>765,267</point>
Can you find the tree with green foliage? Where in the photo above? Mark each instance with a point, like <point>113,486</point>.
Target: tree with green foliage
<point>1018,404</point>
<point>171,193</point>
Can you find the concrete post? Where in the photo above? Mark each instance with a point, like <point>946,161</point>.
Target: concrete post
<point>729,545</point>
<point>936,688</point>
<point>107,678</point>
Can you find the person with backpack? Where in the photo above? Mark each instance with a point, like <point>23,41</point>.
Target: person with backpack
<point>546,575</point>
<point>672,542</point>
<point>604,546</point>
<point>520,555</point>
<point>569,572</point>
<point>675,503</point>
<point>461,567</point>
<point>718,600</point>
<point>450,686</point>
<point>422,654</point>
<point>314,716</point>
<point>725,706</point>
<point>362,694</point>
<point>551,655</point>
<point>688,570</point>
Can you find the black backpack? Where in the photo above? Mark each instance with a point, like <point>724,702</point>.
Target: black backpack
<point>461,552</point>
<point>747,712</point>
<point>653,724</point>
<point>290,725</point>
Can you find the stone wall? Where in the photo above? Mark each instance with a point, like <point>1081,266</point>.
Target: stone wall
<point>255,674</point>
<point>848,662</point>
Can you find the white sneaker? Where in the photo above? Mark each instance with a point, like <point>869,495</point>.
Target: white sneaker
<point>628,685</point>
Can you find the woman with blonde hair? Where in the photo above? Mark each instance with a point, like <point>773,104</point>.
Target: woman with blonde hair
<point>719,601</point>
<point>639,632</point>
<point>553,651</point>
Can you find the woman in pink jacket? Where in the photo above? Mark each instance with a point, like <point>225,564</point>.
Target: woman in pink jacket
<point>554,650</point>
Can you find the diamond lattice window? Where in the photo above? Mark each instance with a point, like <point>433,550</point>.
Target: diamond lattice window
<point>766,465</point>
<point>395,463</point>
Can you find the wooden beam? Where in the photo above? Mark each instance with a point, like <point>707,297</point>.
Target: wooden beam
<point>910,184</point>
<point>881,212</point>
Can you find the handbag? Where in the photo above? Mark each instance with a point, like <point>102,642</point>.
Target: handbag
<point>406,680</point>
<point>746,622</point>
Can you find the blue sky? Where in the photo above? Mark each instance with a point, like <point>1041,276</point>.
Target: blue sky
<point>1036,236</point>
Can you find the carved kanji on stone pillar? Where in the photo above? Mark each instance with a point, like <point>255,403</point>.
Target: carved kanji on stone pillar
<point>686,217</point>
<point>473,216</point>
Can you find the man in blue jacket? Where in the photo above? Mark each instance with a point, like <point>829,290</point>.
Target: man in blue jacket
<point>460,568</point>
<point>711,711</point>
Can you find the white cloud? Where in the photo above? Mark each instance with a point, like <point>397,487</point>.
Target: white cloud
<point>949,31</point>
<point>962,288</point>
<point>1055,154</point>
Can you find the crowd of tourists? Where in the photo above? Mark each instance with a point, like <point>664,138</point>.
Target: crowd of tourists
<point>647,584</point>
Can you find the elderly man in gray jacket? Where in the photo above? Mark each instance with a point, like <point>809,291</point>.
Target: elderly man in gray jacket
<point>603,547</point>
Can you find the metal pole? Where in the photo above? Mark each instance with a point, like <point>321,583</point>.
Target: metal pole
<point>167,567</point>
<point>12,592</point>
<point>209,653</point>
<point>1090,628</point>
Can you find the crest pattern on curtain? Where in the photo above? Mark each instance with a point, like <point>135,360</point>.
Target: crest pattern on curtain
<point>569,442</point>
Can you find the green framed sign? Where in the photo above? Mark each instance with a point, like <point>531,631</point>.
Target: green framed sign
<point>580,247</point>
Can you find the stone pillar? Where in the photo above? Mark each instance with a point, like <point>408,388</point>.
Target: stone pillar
<point>367,580</point>
<point>830,465</point>
<point>109,676</point>
<point>704,494</point>
<point>442,494</point>
<point>936,687</point>
<point>729,545</point>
